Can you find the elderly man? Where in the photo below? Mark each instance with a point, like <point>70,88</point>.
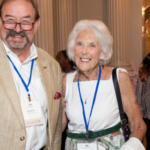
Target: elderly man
<point>30,83</point>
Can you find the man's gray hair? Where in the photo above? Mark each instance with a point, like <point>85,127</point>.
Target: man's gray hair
<point>34,4</point>
<point>100,31</point>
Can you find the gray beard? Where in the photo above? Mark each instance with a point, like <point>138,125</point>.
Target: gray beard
<point>17,47</point>
<point>13,33</point>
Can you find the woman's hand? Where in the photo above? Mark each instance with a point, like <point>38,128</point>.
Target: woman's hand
<point>130,105</point>
<point>64,117</point>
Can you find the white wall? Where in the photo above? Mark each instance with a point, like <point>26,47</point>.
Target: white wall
<point>135,32</point>
<point>90,9</point>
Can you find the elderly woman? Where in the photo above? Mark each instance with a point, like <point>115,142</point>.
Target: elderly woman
<point>89,100</point>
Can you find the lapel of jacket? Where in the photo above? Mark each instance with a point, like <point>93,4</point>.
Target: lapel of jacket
<point>46,72</point>
<point>7,81</point>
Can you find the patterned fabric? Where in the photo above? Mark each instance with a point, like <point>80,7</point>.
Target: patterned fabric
<point>134,81</point>
<point>141,85</point>
<point>143,74</point>
<point>112,141</point>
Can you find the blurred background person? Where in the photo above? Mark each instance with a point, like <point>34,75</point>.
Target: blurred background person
<point>141,85</point>
<point>66,64</point>
<point>88,96</point>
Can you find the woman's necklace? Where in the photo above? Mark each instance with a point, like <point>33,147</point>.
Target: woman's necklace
<point>94,99</point>
<point>85,89</point>
<point>86,97</point>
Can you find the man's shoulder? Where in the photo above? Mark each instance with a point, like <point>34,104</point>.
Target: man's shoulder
<point>42,54</point>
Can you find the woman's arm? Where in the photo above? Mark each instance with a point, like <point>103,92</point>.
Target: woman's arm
<point>130,105</point>
<point>64,117</point>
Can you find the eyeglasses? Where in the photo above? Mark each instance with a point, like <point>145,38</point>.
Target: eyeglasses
<point>26,26</point>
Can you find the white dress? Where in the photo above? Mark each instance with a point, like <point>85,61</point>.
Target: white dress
<point>105,112</point>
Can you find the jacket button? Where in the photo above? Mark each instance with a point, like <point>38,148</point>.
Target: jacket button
<point>22,138</point>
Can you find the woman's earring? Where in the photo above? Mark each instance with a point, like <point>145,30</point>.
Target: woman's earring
<point>102,63</point>
<point>103,66</point>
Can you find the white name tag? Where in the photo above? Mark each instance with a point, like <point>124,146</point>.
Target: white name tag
<point>87,146</point>
<point>32,113</point>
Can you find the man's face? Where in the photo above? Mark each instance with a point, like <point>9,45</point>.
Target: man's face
<point>19,11</point>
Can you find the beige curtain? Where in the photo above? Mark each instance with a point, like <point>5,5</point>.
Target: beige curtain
<point>44,36</point>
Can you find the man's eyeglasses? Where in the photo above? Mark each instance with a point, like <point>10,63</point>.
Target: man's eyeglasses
<point>10,25</point>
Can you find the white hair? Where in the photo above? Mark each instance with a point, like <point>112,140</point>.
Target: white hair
<point>100,31</point>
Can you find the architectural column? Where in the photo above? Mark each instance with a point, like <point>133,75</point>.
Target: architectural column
<point>118,23</point>
<point>44,36</point>
<point>63,23</point>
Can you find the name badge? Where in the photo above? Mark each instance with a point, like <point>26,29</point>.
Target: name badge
<point>32,113</point>
<point>87,146</point>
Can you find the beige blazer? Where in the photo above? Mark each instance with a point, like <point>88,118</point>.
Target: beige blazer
<point>12,128</point>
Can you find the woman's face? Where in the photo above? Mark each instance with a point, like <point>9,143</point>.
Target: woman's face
<point>87,51</point>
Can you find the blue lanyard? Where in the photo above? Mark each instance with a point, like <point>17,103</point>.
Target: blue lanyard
<point>66,72</point>
<point>85,121</point>
<point>26,86</point>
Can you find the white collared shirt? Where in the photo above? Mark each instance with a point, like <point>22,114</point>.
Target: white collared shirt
<point>36,135</point>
